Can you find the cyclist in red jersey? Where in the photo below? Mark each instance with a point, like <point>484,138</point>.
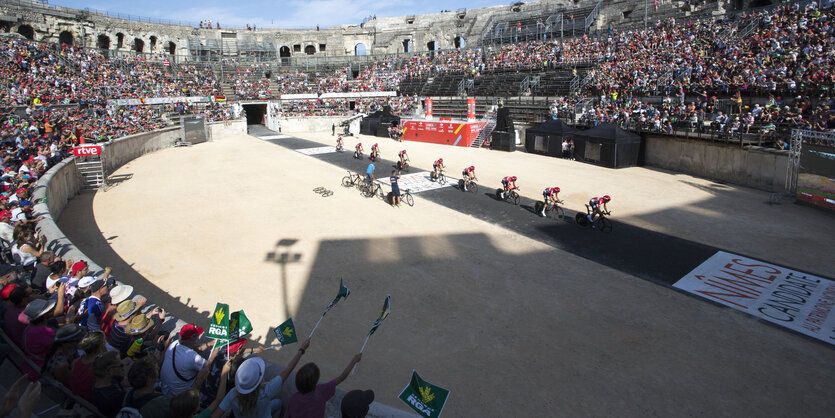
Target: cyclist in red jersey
<point>359,149</point>
<point>508,183</point>
<point>375,151</point>
<point>469,175</point>
<point>595,203</point>
<point>438,165</point>
<point>550,196</point>
<point>339,142</point>
<point>404,158</point>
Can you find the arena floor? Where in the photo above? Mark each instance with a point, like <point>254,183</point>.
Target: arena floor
<point>517,315</point>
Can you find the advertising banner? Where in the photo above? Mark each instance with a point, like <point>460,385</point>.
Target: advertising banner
<point>796,300</point>
<point>86,150</point>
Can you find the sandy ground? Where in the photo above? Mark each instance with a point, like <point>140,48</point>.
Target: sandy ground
<point>510,325</point>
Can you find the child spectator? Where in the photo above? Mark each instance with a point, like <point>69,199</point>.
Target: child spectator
<point>311,398</point>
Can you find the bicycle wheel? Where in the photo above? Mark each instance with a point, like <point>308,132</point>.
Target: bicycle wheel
<point>327,193</point>
<point>499,196</point>
<point>319,189</point>
<point>432,176</point>
<point>604,224</point>
<point>368,191</point>
<point>581,220</point>
<point>559,212</point>
<point>379,192</point>
<point>409,199</point>
<point>473,187</point>
<point>347,182</point>
<point>442,179</point>
<point>537,207</point>
<point>515,197</point>
<point>461,185</point>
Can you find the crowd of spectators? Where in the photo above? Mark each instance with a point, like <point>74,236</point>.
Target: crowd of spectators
<point>400,105</point>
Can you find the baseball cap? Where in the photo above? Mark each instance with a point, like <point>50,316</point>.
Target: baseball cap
<point>5,214</point>
<point>356,402</point>
<point>190,330</point>
<point>249,375</point>
<point>96,285</point>
<point>78,266</point>
<point>7,290</point>
<point>21,190</point>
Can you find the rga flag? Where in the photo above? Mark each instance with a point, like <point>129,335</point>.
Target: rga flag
<point>239,326</point>
<point>383,315</point>
<point>343,293</point>
<point>425,398</point>
<point>796,300</point>
<point>219,326</point>
<point>286,332</point>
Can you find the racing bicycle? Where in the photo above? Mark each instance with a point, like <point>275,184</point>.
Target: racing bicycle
<point>352,179</point>
<point>440,178</point>
<point>553,211</point>
<point>404,197</point>
<point>601,222</point>
<point>472,187</point>
<point>511,196</point>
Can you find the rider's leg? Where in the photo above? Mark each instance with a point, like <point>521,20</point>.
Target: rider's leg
<point>544,207</point>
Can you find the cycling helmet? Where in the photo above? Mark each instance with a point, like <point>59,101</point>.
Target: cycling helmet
<point>556,189</point>
<point>375,144</point>
<point>513,178</point>
<point>472,168</point>
<point>441,160</point>
<point>606,198</point>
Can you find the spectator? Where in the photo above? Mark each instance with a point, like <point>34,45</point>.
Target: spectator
<point>107,392</point>
<point>14,322</point>
<point>63,353</point>
<point>95,307</point>
<point>182,363</point>
<point>252,396</point>
<point>120,338</point>
<point>310,400</point>
<point>142,376</point>
<point>42,270</point>
<point>81,375</point>
<point>38,337</point>
<point>356,403</point>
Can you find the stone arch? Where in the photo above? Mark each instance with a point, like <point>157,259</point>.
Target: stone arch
<point>760,3</point>
<point>459,42</point>
<point>138,45</point>
<point>152,45</point>
<point>65,38</point>
<point>103,42</point>
<point>284,52</point>
<point>310,50</point>
<point>171,48</point>
<point>431,46</point>
<point>120,40</point>
<point>360,49</point>
<point>407,45</point>
<point>26,31</point>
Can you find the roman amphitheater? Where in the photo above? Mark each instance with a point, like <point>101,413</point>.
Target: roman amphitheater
<point>206,164</point>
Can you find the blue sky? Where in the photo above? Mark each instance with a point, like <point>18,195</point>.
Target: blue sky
<point>276,13</point>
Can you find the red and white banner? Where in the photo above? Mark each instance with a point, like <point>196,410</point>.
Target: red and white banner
<point>793,299</point>
<point>86,150</point>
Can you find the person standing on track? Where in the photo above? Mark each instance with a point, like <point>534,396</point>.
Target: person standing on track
<point>395,188</point>
<point>369,174</point>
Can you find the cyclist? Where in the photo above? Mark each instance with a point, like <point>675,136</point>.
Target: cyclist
<point>549,195</point>
<point>369,174</point>
<point>594,203</point>
<point>339,143</point>
<point>395,189</point>
<point>375,151</point>
<point>469,175</point>
<point>404,158</point>
<point>359,149</point>
<point>438,165</point>
<point>506,184</point>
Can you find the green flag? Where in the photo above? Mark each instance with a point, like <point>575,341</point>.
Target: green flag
<point>219,326</point>
<point>343,293</point>
<point>383,315</point>
<point>239,325</point>
<point>286,332</point>
<point>425,398</point>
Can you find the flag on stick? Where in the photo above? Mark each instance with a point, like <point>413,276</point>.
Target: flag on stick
<point>383,314</point>
<point>343,293</point>
<point>239,326</point>
<point>425,398</point>
<point>286,332</point>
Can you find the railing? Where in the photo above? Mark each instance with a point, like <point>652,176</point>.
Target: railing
<point>591,16</point>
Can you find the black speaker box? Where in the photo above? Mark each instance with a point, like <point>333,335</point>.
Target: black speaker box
<point>502,141</point>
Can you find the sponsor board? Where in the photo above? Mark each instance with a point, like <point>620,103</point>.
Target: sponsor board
<point>317,150</point>
<point>418,182</point>
<point>796,300</point>
<point>86,150</point>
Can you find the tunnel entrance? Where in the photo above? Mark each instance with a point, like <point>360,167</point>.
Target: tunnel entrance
<point>255,113</point>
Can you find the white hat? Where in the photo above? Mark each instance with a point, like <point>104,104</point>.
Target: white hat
<point>120,293</point>
<point>249,375</point>
<point>86,281</point>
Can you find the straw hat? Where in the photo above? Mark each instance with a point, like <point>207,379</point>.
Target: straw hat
<point>139,324</point>
<point>125,309</point>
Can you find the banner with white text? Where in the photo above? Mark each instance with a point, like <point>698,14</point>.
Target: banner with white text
<point>793,299</point>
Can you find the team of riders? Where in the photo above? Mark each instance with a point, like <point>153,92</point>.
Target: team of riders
<point>550,195</point>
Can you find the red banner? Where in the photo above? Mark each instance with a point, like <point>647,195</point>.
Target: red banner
<point>86,151</point>
<point>471,108</point>
<point>428,108</point>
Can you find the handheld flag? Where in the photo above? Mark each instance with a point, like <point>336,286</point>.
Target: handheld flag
<point>239,325</point>
<point>425,398</point>
<point>383,315</point>
<point>343,293</point>
<point>286,332</point>
<point>219,326</point>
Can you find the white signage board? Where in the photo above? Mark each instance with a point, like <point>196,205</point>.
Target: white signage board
<point>417,182</point>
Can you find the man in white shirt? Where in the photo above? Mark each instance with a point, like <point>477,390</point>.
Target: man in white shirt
<point>182,362</point>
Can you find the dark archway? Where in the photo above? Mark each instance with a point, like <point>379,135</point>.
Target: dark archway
<point>103,42</point>
<point>359,49</point>
<point>459,42</point>
<point>407,45</point>
<point>65,38</point>
<point>760,3</point>
<point>430,46</point>
<point>138,45</point>
<point>284,52</point>
<point>310,50</point>
<point>172,48</point>
<point>26,31</point>
<point>6,26</point>
<point>153,45</point>
<point>120,40</point>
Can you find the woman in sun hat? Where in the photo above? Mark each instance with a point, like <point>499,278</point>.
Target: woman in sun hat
<point>252,397</point>
<point>118,334</point>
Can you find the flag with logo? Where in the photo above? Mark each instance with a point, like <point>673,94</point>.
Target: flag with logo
<point>239,326</point>
<point>286,332</point>
<point>425,398</point>
<point>383,315</point>
<point>343,293</point>
<point>219,326</point>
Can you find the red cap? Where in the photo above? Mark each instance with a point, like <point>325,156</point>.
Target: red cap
<point>5,214</point>
<point>21,190</point>
<point>78,266</point>
<point>7,290</point>
<point>237,345</point>
<point>190,330</point>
